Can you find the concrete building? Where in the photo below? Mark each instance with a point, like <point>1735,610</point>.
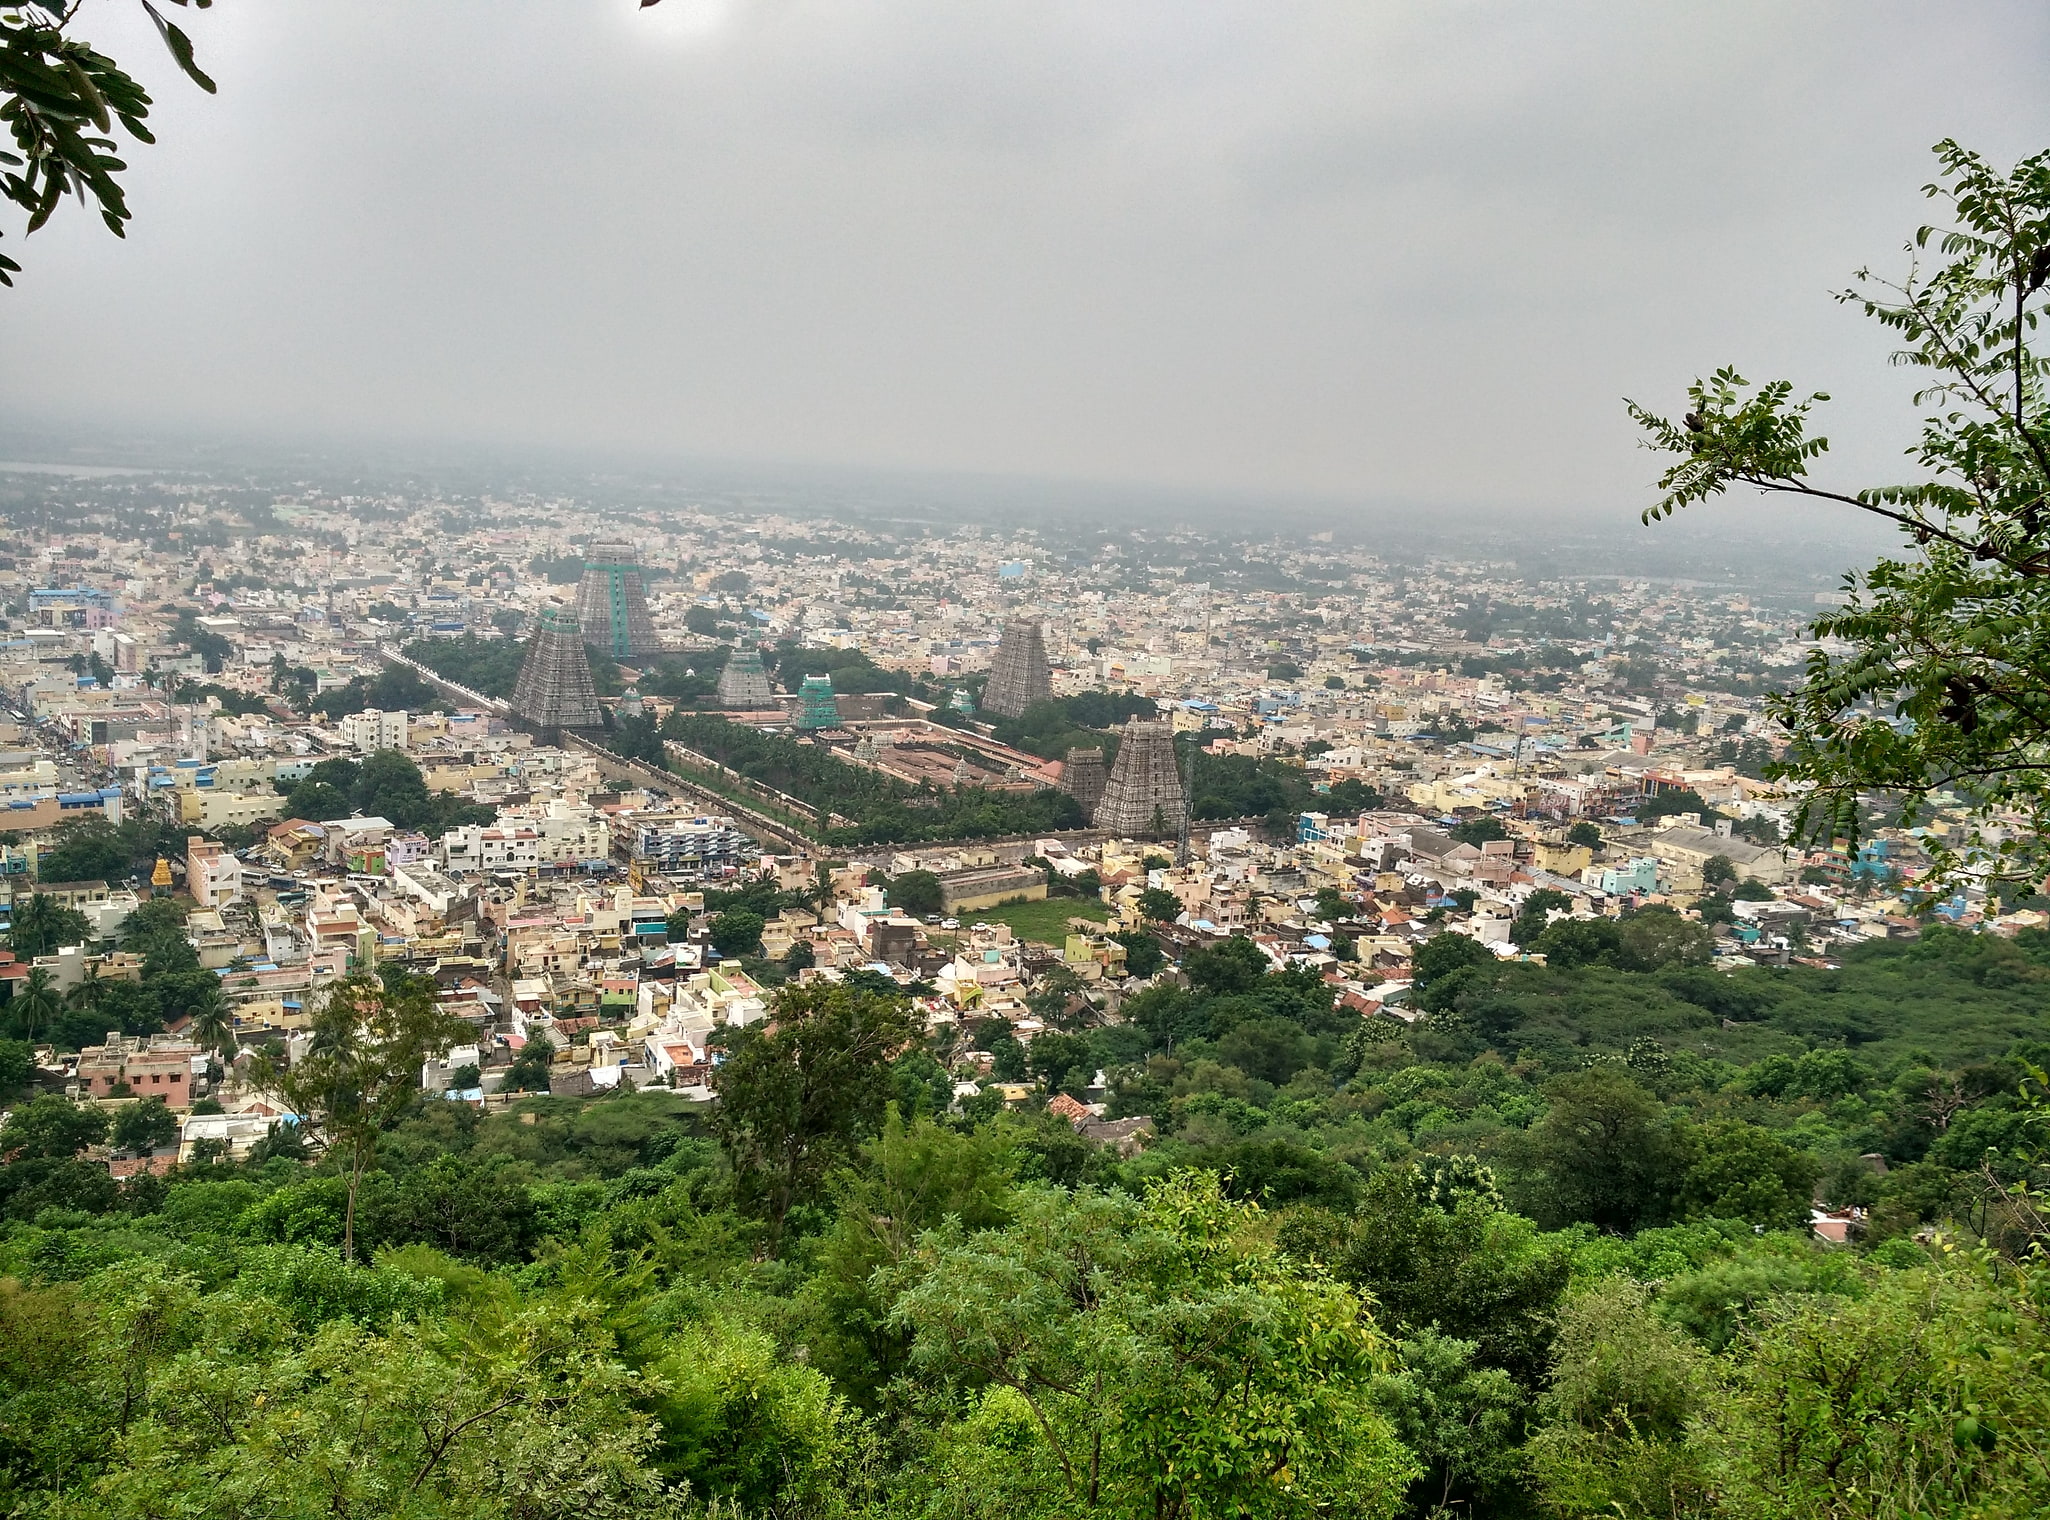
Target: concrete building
<point>212,875</point>
<point>152,1066</point>
<point>700,848</point>
<point>987,886</point>
<point>372,730</point>
<point>1688,847</point>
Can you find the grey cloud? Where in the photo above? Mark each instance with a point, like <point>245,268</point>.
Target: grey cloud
<point>1371,251</point>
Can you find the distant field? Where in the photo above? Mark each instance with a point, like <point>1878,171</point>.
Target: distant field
<point>1046,922</point>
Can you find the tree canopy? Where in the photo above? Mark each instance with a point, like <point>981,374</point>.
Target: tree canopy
<point>1944,689</point>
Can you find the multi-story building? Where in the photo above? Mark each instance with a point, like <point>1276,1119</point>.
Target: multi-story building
<point>213,809</point>
<point>212,874</point>
<point>371,730</point>
<point>151,1066</point>
<point>491,847</point>
<point>694,848</point>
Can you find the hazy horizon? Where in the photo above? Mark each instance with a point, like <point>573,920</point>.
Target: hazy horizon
<point>1310,258</point>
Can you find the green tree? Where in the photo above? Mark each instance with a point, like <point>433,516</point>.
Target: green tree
<point>796,1099</point>
<point>534,1416</point>
<point>36,1004</point>
<point>1615,1420</point>
<point>51,1127</point>
<point>59,91</point>
<point>1007,1058</point>
<point>1447,952</point>
<point>90,849</point>
<point>529,1069</point>
<point>1143,955</point>
<point>746,1427</point>
<point>916,892</point>
<point>1235,964</point>
<point>1919,1394</point>
<point>737,932</point>
<point>1481,830</point>
<point>915,1176</point>
<point>360,1070</point>
<point>1603,1153</point>
<point>1585,834</point>
<point>146,1126</point>
<point>1656,937</point>
<point>213,1025</point>
<point>1061,1060</point>
<point>17,1066</point>
<point>1717,871</point>
<point>1158,1358</point>
<point>317,802</point>
<point>1573,942</point>
<point>1534,915</point>
<point>42,925</point>
<point>478,1213</point>
<point>1451,1260</point>
<point>1735,1170</point>
<point>1954,635</point>
<point>1461,1421</point>
<point>1160,905</point>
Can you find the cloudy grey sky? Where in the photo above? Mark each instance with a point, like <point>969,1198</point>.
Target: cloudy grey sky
<point>1382,252</point>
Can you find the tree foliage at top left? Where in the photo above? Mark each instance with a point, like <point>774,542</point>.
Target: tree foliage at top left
<point>62,97</point>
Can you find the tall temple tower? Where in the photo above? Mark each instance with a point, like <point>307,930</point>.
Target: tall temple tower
<point>612,603</point>
<point>555,690</point>
<point>1083,778</point>
<point>816,708</point>
<point>1144,794</point>
<point>1018,677</point>
<point>744,683</point>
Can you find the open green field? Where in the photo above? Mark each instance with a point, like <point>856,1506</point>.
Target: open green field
<point>1045,921</point>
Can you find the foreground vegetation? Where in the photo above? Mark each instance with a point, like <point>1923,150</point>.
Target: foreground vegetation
<point>1364,1268</point>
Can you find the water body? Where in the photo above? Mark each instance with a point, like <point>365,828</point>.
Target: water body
<point>92,471</point>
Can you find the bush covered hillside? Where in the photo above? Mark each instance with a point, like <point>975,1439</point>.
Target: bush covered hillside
<point>1555,1261</point>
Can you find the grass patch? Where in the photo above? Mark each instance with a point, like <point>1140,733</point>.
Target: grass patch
<point>1045,921</point>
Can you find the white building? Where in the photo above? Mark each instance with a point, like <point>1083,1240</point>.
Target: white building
<point>489,847</point>
<point>374,730</point>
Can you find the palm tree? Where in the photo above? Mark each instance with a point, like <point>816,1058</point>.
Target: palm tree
<point>29,923</point>
<point>213,1026</point>
<point>819,896</point>
<point>38,1000</point>
<point>91,992</point>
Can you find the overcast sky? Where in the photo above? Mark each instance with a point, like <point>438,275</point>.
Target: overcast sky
<point>1383,252</point>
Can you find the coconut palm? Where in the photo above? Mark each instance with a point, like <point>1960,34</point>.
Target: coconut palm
<point>213,1026</point>
<point>36,1002</point>
<point>40,924</point>
<point>90,993</point>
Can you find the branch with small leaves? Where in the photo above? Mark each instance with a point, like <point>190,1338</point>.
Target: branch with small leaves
<point>62,99</point>
<point>1943,693</point>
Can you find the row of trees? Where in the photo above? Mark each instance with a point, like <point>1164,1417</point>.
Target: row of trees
<point>887,810</point>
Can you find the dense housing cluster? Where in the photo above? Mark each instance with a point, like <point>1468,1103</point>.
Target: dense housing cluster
<point>661,983</point>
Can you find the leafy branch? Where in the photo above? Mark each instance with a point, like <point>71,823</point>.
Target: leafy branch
<point>62,99</point>
<point>1937,687</point>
